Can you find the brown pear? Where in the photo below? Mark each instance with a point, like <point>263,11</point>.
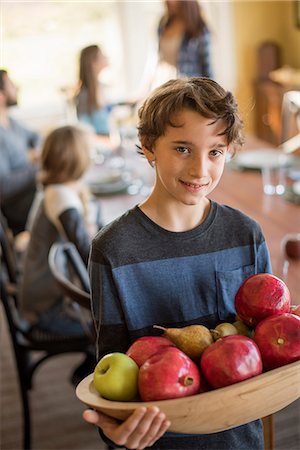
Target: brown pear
<point>222,330</point>
<point>192,340</point>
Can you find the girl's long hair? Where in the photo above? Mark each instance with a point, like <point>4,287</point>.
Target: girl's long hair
<point>87,76</point>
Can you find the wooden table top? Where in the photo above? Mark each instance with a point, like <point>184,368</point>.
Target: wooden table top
<point>242,190</point>
<point>276,216</point>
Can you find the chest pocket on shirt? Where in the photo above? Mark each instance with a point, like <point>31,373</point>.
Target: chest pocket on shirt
<point>228,283</point>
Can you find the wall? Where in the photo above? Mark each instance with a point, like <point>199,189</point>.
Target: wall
<point>291,46</point>
<point>256,22</point>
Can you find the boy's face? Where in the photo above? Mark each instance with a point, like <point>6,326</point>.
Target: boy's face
<point>189,160</point>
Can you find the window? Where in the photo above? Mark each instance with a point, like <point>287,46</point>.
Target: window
<point>41,41</point>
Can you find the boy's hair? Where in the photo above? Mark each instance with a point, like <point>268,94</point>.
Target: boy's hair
<point>65,155</point>
<point>199,94</point>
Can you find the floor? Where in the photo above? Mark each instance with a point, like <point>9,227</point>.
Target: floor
<point>56,412</point>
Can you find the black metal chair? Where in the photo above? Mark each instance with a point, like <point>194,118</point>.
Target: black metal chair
<point>28,340</point>
<point>70,272</point>
<point>8,257</point>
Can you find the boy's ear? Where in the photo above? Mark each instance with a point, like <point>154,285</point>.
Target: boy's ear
<point>149,154</point>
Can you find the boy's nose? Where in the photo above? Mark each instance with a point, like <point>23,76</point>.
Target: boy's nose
<point>198,167</point>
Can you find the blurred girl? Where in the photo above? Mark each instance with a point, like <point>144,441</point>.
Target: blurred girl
<point>184,39</point>
<point>62,214</point>
<point>90,103</point>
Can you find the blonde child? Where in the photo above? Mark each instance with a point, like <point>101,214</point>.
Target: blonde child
<point>62,214</point>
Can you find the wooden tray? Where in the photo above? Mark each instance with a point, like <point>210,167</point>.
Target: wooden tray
<point>212,411</point>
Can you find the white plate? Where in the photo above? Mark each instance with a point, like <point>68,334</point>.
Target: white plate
<point>109,188</point>
<point>257,159</point>
<point>103,177</point>
<point>110,184</point>
<point>296,187</point>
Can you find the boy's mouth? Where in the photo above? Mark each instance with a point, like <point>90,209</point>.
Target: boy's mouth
<point>194,187</point>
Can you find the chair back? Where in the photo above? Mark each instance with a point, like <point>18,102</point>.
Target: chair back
<point>66,266</point>
<point>11,316</point>
<point>9,268</point>
<point>8,257</point>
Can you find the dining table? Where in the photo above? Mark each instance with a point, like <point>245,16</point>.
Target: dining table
<point>240,189</point>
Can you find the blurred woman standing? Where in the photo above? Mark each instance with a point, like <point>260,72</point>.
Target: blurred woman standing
<point>184,39</point>
<point>89,99</point>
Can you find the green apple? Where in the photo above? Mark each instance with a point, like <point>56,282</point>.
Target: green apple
<point>116,377</point>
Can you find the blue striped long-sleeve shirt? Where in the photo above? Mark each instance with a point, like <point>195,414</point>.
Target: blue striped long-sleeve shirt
<point>142,274</point>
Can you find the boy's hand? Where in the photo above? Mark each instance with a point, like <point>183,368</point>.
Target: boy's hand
<point>140,430</point>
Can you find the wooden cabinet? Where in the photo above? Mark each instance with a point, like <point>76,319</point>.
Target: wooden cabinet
<point>268,104</point>
<point>268,112</point>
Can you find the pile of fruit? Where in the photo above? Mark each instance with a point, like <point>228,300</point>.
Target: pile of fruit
<point>193,359</point>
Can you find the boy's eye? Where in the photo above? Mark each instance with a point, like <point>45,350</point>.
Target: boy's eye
<point>216,152</point>
<point>182,150</point>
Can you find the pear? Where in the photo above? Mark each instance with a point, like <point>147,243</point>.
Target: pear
<point>192,339</point>
<point>223,329</point>
<point>243,329</point>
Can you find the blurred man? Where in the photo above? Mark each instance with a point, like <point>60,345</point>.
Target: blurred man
<point>18,160</point>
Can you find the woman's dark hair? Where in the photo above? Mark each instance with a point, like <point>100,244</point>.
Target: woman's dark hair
<point>199,94</point>
<point>190,13</point>
<point>87,77</point>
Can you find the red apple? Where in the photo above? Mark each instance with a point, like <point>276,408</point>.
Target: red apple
<point>169,373</point>
<point>260,296</point>
<point>146,346</point>
<point>278,339</point>
<point>229,360</point>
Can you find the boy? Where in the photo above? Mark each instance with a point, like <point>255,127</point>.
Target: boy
<point>178,258</point>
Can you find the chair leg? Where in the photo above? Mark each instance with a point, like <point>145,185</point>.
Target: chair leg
<point>26,419</point>
<point>25,385</point>
<point>23,365</point>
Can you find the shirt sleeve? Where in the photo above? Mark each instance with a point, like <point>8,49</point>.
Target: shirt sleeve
<point>32,138</point>
<point>111,330</point>
<point>263,261</point>
<point>23,179</point>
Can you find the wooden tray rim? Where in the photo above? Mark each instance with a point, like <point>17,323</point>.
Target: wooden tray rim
<point>241,391</point>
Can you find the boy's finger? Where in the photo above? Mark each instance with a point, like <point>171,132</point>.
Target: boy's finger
<point>130,425</point>
<point>97,418</point>
<point>151,433</point>
<point>90,416</point>
<point>140,435</point>
<point>164,427</point>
